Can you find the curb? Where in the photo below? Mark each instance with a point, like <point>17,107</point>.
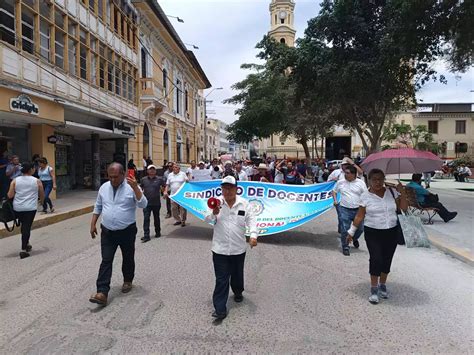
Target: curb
<point>455,252</point>
<point>52,219</point>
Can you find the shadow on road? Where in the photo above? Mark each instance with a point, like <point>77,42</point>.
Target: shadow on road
<point>400,294</point>
<point>296,238</point>
<point>191,232</point>
<point>32,253</point>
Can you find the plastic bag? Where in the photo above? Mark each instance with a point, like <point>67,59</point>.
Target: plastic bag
<point>413,231</point>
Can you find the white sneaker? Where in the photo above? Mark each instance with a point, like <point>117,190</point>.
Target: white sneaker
<point>374,297</point>
<point>383,291</point>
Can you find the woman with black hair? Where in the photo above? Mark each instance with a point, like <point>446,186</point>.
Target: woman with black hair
<point>25,190</point>
<point>378,209</point>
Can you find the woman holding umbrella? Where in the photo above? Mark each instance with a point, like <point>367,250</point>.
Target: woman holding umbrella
<point>378,209</point>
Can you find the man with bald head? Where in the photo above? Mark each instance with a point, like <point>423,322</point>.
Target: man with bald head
<point>117,202</point>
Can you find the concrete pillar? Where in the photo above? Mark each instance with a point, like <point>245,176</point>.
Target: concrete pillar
<point>95,149</point>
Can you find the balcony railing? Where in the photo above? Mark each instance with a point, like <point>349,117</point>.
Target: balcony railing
<point>150,87</point>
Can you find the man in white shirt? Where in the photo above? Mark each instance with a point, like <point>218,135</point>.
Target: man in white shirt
<point>173,184</point>
<point>338,174</point>
<point>240,173</point>
<point>462,173</point>
<point>350,189</point>
<point>216,170</point>
<point>117,202</point>
<point>191,169</point>
<point>168,171</point>
<point>231,221</point>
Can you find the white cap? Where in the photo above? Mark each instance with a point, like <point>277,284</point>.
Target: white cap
<point>228,162</point>
<point>201,162</point>
<point>151,167</point>
<point>346,160</point>
<point>229,179</point>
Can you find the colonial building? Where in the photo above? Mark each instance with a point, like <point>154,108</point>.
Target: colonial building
<point>171,83</point>
<point>213,138</point>
<point>452,126</point>
<point>69,84</point>
<point>87,82</point>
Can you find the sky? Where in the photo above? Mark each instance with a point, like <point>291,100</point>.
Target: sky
<point>226,32</point>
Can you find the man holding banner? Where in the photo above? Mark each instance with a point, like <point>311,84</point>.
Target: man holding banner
<point>231,218</point>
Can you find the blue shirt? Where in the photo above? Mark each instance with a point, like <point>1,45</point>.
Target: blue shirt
<point>420,191</point>
<point>118,212</point>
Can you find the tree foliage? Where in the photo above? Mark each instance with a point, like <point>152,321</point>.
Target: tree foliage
<point>358,65</point>
<point>417,137</point>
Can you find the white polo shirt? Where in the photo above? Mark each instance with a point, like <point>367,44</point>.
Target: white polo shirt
<point>175,181</point>
<point>230,227</point>
<point>380,213</point>
<point>350,192</point>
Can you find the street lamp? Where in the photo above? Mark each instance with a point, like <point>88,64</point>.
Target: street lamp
<point>205,119</point>
<point>177,18</point>
<point>192,45</point>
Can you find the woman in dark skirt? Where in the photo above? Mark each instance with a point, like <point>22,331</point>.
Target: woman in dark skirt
<point>378,209</point>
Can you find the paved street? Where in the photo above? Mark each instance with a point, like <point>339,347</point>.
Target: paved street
<point>301,295</point>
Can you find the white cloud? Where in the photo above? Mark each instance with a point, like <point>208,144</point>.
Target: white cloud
<point>226,32</point>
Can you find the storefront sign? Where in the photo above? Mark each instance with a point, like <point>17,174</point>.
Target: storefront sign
<point>124,129</point>
<point>52,139</point>
<point>64,140</point>
<point>161,121</point>
<point>24,104</point>
<point>424,108</point>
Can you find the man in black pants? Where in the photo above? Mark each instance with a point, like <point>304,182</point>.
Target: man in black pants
<point>117,202</point>
<point>231,219</point>
<point>151,186</point>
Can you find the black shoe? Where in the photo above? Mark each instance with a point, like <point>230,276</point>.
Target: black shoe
<point>346,252</point>
<point>176,223</point>
<point>355,242</point>
<point>183,224</point>
<point>219,316</point>
<point>24,254</point>
<point>28,248</point>
<point>238,298</point>
<point>158,235</point>
<point>450,216</point>
<point>144,240</point>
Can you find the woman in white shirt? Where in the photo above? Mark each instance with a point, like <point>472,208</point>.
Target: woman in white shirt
<point>25,190</point>
<point>378,210</point>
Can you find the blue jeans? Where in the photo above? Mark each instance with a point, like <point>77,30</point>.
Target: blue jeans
<point>346,217</point>
<point>48,187</point>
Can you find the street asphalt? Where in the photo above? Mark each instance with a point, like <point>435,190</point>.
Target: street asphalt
<point>302,296</point>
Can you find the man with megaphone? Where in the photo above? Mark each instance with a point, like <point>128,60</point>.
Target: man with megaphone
<point>232,218</point>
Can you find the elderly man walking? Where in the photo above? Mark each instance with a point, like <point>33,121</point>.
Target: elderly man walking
<point>173,184</point>
<point>151,185</point>
<point>231,220</point>
<point>117,202</point>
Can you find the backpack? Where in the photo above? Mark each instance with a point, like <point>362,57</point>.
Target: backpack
<point>7,214</point>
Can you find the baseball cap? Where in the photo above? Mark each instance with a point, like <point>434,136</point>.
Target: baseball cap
<point>228,162</point>
<point>151,167</point>
<point>201,162</point>
<point>229,180</point>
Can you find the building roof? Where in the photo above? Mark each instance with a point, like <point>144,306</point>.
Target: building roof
<point>169,27</point>
<point>444,107</point>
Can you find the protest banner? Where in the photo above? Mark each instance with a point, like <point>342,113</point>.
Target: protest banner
<point>278,207</point>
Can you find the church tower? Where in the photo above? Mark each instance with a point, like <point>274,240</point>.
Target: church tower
<point>282,21</point>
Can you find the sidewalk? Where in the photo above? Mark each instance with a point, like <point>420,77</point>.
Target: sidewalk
<point>68,205</point>
<point>454,237</point>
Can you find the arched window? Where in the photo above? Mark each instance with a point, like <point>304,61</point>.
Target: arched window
<point>282,41</point>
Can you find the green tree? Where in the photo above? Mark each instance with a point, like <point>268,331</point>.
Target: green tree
<point>417,137</point>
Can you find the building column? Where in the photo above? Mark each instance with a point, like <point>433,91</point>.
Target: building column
<point>95,149</point>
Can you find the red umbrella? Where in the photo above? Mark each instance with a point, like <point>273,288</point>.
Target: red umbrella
<point>402,161</point>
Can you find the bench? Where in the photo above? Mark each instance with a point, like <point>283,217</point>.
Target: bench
<point>416,209</point>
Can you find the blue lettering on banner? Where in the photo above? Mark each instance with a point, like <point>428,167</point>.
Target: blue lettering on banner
<point>278,207</point>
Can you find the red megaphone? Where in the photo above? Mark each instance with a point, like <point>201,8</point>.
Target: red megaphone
<point>213,203</point>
